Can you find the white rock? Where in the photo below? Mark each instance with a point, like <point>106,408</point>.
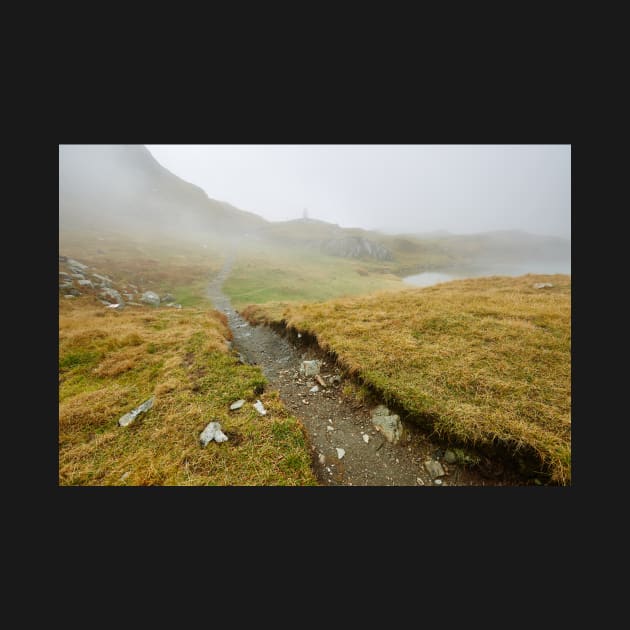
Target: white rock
<point>314,389</point>
<point>330,428</point>
<point>299,335</point>
<point>366,438</point>
<point>340,452</point>
<point>125,475</point>
<point>542,285</point>
<point>322,459</point>
<point>438,482</point>
<point>128,418</point>
<point>259,407</point>
<point>212,432</point>
<point>237,405</point>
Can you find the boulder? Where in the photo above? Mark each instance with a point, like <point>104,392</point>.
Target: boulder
<point>75,263</point>
<point>111,295</point>
<point>151,298</point>
<point>387,423</point>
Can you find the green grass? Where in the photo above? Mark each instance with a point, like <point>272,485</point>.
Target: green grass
<point>483,362</point>
<point>265,274</point>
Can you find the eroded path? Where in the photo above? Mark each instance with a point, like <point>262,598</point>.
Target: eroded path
<point>334,421</point>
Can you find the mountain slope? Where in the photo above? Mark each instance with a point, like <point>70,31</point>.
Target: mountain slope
<point>124,187</point>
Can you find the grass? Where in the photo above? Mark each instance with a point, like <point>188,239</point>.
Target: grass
<point>483,362</point>
<point>110,362</point>
<point>264,274</point>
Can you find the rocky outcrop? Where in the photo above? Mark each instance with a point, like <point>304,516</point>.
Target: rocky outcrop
<point>355,247</point>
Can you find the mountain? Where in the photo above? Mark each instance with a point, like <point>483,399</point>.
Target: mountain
<point>124,187</point>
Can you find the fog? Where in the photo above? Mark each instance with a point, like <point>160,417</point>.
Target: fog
<point>462,189</point>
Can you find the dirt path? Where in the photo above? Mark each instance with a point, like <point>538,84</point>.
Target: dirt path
<point>333,420</point>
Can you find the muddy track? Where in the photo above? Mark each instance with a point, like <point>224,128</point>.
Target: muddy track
<point>334,421</point>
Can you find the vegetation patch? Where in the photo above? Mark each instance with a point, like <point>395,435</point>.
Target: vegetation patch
<point>111,362</point>
<point>486,360</point>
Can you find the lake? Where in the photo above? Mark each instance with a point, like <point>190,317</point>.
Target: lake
<point>429,278</point>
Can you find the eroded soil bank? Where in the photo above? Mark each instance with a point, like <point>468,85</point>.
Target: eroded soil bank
<point>336,421</point>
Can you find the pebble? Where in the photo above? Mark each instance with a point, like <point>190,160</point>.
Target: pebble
<point>314,389</point>
<point>420,482</point>
<point>366,438</point>
<point>340,452</point>
<point>259,407</point>
<point>322,459</point>
<point>437,482</point>
<point>125,475</point>
<point>237,405</point>
<point>330,428</point>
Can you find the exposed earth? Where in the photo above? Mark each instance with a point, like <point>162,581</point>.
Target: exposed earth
<point>335,421</point>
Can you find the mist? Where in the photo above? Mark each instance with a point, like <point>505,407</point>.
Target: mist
<point>413,189</point>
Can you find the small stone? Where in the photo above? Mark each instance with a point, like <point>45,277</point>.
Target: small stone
<point>259,407</point>
<point>366,438</point>
<point>434,468</point>
<point>69,297</point>
<point>299,335</point>
<point>419,481</point>
<point>437,482</point>
<point>322,459</point>
<point>305,401</point>
<point>450,457</point>
<point>340,452</point>
<point>542,285</point>
<point>314,389</point>
<point>128,418</point>
<point>329,428</point>
<point>309,368</point>
<point>86,283</point>
<point>237,405</point>
<point>212,432</point>
<point>125,476</point>
<point>330,420</point>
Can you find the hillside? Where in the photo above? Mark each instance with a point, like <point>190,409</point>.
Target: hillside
<point>123,187</point>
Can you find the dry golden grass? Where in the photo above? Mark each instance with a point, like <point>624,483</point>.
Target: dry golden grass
<point>110,362</point>
<point>484,361</point>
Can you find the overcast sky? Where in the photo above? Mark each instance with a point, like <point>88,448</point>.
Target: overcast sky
<point>394,188</point>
